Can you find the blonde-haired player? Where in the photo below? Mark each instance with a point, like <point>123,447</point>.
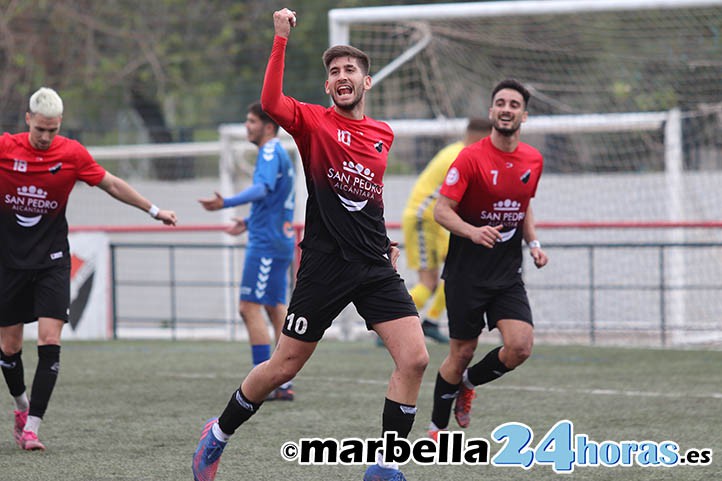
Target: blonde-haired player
<point>38,169</point>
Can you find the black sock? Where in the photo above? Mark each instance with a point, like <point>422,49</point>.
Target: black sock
<point>45,376</point>
<point>398,417</point>
<point>444,395</point>
<point>487,369</point>
<point>13,372</point>
<point>238,411</point>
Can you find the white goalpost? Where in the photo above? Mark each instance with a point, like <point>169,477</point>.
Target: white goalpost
<point>340,19</point>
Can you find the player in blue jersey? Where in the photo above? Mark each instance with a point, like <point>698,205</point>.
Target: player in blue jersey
<point>270,237</point>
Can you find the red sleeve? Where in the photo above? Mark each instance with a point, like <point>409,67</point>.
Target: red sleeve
<point>457,178</point>
<point>4,140</point>
<point>541,168</point>
<point>274,103</point>
<point>89,171</point>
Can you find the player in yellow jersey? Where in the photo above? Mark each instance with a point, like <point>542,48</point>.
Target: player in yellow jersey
<point>426,241</point>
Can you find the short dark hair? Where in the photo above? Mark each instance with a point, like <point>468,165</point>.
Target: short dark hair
<point>513,84</point>
<point>256,109</point>
<point>336,51</point>
<point>479,124</point>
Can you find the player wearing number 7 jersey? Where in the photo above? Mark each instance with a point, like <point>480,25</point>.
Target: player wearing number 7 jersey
<point>485,203</point>
<point>347,256</point>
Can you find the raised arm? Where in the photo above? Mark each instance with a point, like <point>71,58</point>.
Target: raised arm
<point>273,101</point>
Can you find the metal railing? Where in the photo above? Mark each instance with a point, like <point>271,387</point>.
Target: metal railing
<point>620,293</point>
<point>162,278</point>
<point>648,293</point>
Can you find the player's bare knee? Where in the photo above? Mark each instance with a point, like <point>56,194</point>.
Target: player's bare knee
<point>415,364</point>
<point>423,361</point>
<point>517,354</point>
<point>461,357</point>
<point>9,349</point>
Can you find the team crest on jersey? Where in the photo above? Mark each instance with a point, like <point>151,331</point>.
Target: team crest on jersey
<point>379,146</point>
<point>452,177</point>
<point>526,176</point>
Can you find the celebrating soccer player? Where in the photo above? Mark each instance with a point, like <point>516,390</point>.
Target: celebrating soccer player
<point>485,203</point>
<point>38,169</point>
<point>347,256</point>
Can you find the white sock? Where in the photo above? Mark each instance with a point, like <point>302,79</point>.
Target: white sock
<point>434,427</point>
<point>286,385</point>
<point>32,424</point>
<point>21,402</point>
<point>220,435</point>
<point>380,462</point>
<point>465,380</point>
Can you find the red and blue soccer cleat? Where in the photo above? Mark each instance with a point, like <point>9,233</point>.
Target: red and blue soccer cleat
<point>378,473</point>
<point>281,394</point>
<point>208,454</point>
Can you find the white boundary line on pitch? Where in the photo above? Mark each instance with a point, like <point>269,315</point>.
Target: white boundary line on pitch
<point>542,389</point>
<point>594,392</point>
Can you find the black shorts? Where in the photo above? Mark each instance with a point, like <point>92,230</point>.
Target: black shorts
<point>27,294</point>
<point>326,284</point>
<point>468,306</point>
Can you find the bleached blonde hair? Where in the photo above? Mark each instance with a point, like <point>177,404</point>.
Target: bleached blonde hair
<point>46,102</point>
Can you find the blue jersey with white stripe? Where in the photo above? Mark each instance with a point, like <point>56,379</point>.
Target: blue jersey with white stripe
<point>270,224</point>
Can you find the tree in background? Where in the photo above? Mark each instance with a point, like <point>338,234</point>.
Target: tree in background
<point>164,64</point>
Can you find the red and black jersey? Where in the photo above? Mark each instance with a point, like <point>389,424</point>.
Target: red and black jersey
<point>492,187</point>
<point>34,189</point>
<point>344,162</point>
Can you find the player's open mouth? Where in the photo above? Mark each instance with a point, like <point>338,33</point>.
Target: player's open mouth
<point>344,90</point>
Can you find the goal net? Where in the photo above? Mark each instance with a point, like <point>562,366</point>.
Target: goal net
<point>577,58</point>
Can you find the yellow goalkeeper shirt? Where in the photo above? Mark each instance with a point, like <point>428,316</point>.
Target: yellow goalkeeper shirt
<point>426,189</point>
